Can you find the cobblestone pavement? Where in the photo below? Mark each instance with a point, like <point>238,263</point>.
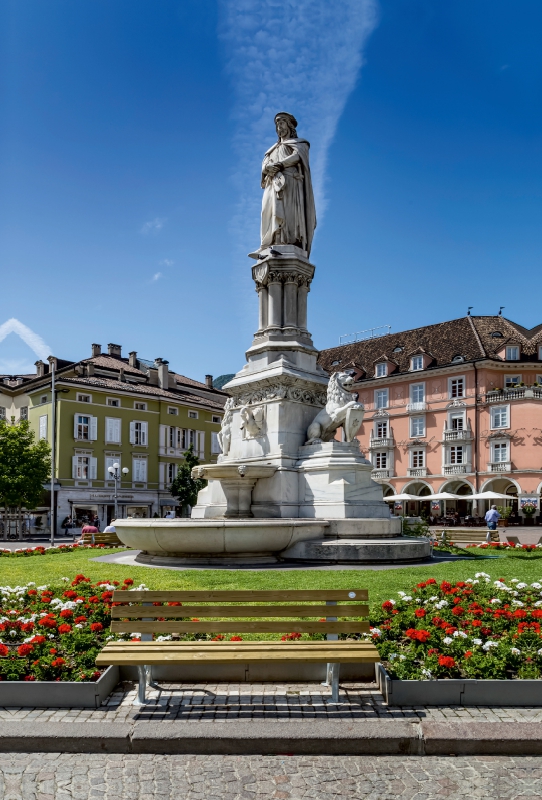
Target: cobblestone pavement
<point>54,776</point>
<point>269,701</point>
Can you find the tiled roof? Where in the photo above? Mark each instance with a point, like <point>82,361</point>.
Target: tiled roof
<point>114,363</point>
<point>122,386</point>
<point>469,337</point>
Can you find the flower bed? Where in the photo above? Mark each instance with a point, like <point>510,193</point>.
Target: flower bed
<point>55,633</point>
<point>47,551</point>
<point>477,629</point>
<point>526,548</point>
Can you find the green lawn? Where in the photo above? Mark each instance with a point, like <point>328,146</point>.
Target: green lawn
<point>381,583</point>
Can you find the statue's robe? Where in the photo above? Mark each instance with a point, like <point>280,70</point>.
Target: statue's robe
<point>288,211</point>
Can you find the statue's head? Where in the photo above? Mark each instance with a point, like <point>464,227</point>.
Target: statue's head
<point>286,125</point>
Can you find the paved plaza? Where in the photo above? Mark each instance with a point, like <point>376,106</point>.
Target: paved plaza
<point>52,776</point>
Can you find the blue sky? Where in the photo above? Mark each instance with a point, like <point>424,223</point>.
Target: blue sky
<point>131,134</point>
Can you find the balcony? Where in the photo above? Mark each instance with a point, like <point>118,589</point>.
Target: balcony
<point>381,474</point>
<point>384,443</point>
<point>457,435</point>
<point>456,469</point>
<point>417,472</point>
<point>499,466</point>
<point>416,408</point>
<point>518,393</point>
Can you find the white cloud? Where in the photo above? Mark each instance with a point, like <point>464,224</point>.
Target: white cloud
<point>29,337</point>
<point>156,276</point>
<point>167,262</point>
<point>154,225</point>
<point>301,56</point>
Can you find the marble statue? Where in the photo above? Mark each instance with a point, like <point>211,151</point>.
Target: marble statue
<point>288,211</point>
<point>340,410</point>
<point>224,437</point>
<point>252,421</point>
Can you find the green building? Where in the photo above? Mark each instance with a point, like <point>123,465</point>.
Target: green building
<point>115,410</point>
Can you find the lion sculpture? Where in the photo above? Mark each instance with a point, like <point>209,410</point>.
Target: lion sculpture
<point>340,410</point>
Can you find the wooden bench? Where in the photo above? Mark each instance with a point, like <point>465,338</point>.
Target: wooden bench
<point>294,611</point>
<point>466,535</point>
<point>102,538</point>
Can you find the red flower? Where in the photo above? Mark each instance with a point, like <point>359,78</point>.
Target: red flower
<point>47,622</point>
<point>25,649</point>
<point>174,603</point>
<point>4,650</point>
<point>417,635</point>
<point>53,651</point>
<point>236,638</point>
<point>66,613</point>
<point>95,627</point>
<point>38,639</point>
<point>58,662</point>
<point>77,620</point>
<point>32,592</point>
<point>445,586</point>
<point>537,613</point>
<point>64,628</point>
<point>476,623</point>
<point>70,594</point>
<point>45,599</point>
<point>432,651</point>
<point>218,638</point>
<point>458,611</point>
<point>419,612</point>
<point>387,606</point>
<point>446,661</point>
<point>29,678</point>
<point>93,599</point>
<point>468,653</point>
<point>429,581</point>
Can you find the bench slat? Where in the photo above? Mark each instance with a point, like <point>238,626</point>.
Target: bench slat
<point>235,596</point>
<point>288,626</point>
<point>144,612</point>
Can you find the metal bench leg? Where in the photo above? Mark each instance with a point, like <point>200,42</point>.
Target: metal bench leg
<point>150,681</point>
<point>142,678</point>
<point>335,669</point>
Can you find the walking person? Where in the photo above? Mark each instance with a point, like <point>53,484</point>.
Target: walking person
<point>492,517</point>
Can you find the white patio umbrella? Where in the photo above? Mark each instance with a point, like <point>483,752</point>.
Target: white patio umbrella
<point>490,496</point>
<point>445,496</point>
<point>392,498</point>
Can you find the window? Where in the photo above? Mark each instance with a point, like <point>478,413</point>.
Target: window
<point>417,426</point>
<point>417,393</point>
<point>500,452</point>
<point>381,460</point>
<point>2,412</point>
<point>110,461</point>
<point>381,370</point>
<point>416,363</point>
<point>418,458</point>
<point>43,427</point>
<point>192,414</point>
<point>457,387</point>
<point>216,419</point>
<point>511,380</point>
<point>188,438</point>
<point>457,422</point>
<point>496,335</point>
<point>172,438</point>
<point>397,349</point>
<point>499,417</point>
<point>215,444</point>
<point>83,467</point>
<point>140,406</point>
<point>335,363</point>
<point>85,427</point>
<point>23,412</point>
<point>381,430</point>
<point>43,398</point>
<point>457,359</point>
<point>171,472</point>
<point>139,470</point>
<point>139,433</point>
<point>84,398</point>
<point>512,353</point>
<point>112,430</point>
<point>113,401</point>
<point>381,398</point>
<point>456,455</point>
<point>172,410</point>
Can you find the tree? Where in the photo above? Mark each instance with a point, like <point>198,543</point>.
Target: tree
<point>185,488</point>
<point>25,465</point>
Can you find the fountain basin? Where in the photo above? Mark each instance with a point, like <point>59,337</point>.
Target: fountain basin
<point>206,541</point>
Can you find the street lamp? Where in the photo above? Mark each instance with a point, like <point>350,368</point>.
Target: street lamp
<point>115,471</point>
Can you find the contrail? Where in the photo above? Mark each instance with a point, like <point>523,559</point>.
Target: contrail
<point>32,339</point>
<point>301,56</point>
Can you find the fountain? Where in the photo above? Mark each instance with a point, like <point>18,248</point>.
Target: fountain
<point>285,488</point>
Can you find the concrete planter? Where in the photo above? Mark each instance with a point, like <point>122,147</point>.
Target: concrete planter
<point>460,692</point>
<point>64,694</point>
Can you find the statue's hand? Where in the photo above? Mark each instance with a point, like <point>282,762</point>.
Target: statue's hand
<point>272,169</point>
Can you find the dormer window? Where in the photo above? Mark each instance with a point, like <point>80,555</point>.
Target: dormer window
<point>496,335</point>
<point>400,349</point>
<point>416,363</point>
<point>335,363</point>
<point>381,370</point>
<point>512,353</point>
<point>457,359</point>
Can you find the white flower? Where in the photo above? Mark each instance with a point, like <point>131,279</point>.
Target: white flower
<point>469,580</point>
<point>427,673</point>
<point>481,575</point>
<point>407,598</point>
<point>419,600</point>
<point>515,651</point>
<point>50,636</point>
<point>163,638</point>
<point>514,580</point>
<point>401,594</point>
<point>79,625</point>
<point>402,657</point>
<point>521,585</point>
<point>31,583</point>
<point>539,652</point>
<point>477,641</point>
<point>41,588</point>
<point>433,598</point>
<point>376,632</point>
<point>65,579</point>
<point>536,585</point>
<point>462,634</point>
<point>391,601</point>
<point>517,603</point>
<point>447,640</point>
<point>495,600</point>
<point>499,584</point>
<point>13,633</point>
<point>441,604</point>
<point>475,582</point>
<point>488,645</point>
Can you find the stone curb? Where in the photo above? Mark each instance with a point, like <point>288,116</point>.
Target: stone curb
<point>367,737</point>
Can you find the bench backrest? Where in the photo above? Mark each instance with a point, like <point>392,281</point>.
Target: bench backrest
<point>298,611</point>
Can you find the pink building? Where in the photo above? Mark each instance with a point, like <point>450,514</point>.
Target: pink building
<point>454,407</point>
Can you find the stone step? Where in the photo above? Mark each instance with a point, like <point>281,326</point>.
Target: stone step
<point>389,550</point>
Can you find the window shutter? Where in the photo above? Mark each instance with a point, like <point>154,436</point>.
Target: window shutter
<point>93,433</point>
<point>135,468</point>
<point>74,466</point>
<point>162,468</point>
<point>143,470</point>
<point>43,427</point>
<point>162,435</point>
<point>75,421</point>
<point>144,430</point>
<point>215,445</point>
<point>93,467</point>
<point>179,437</point>
<point>132,432</point>
<point>201,446</point>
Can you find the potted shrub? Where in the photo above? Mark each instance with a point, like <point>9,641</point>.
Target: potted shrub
<point>529,510</point>
<point>505,512</point>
